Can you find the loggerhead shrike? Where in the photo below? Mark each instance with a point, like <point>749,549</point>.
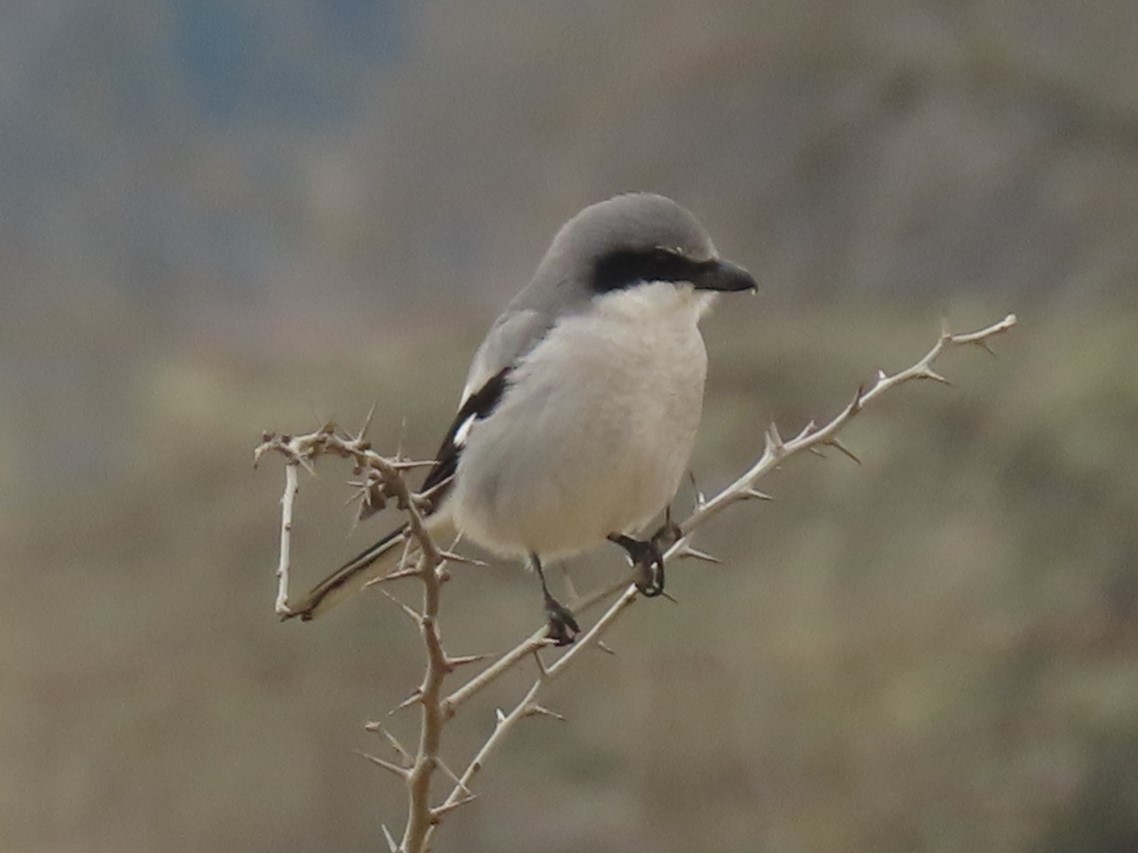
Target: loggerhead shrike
<point>581,405</point>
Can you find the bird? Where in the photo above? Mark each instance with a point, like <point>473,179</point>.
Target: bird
<point>581,405</point>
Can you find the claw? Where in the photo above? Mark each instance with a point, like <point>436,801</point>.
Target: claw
<point>650,578</point>
<point>647,559</point>
<point>563,627</point>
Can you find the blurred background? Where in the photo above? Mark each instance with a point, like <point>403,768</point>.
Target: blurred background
<point>223,217</point>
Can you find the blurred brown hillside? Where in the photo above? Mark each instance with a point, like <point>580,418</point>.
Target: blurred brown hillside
<point>218,218</point>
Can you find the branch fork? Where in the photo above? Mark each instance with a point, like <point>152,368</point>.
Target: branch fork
<point>381,480</point>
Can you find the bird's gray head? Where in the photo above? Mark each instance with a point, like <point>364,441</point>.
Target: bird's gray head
<point>637,238</point>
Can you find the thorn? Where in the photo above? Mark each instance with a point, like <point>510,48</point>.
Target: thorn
<point>536,710</point>
<point>695,554</point>
<point>394,769</point>
<point>367,421</point>
<point>393,576</point>
<point>499,716</point>
<point>358,488</point>
<point>754,494</point>
<point>402,564</point>
<point>929,373</point>
<point>410,464</point>
<point>833,442</point>
<point>774,440</point>
<point>605,647</point>
<point>432,492</point>
<point>984,345</point>
<point>415,697</point>
<point>813,448</point>
<point>462,660</point>
<point>414,614</point>
<point>806,430</point>
<point>377,726</point>
<point>945,329</point>
<point>855,404</point>
<point>452,557</point>
<point>402,437</point>
<point>439,812</point>
<point>881,376</point>
<point>306,464</point>
<point>453,776</point>
<point>700,497</point>
<point>392,847</point>
<point>669,596</point>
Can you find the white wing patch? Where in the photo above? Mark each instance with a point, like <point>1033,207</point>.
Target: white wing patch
<point>463,431</point>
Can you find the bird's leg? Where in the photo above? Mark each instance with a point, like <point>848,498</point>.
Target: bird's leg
<point>647,555</point>
<point>668,534</point>
<point>563,627</point>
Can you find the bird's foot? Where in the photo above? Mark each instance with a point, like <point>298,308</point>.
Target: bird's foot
<point>563,627</point>
<point>648,561</point>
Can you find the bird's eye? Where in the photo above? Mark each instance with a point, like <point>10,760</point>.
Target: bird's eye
<point>625,268</point>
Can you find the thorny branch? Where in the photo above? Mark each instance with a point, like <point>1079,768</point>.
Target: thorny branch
<point>382,479</point>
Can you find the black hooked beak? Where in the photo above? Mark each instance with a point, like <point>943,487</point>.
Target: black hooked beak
<point>725,276</point>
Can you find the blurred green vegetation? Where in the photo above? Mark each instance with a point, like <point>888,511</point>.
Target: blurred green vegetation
<point>219,218</point>
<point>934,650</point>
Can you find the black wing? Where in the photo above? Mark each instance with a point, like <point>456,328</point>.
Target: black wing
<point>478,406</point>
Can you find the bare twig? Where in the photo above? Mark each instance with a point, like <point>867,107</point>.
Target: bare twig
<point>520,652</point>
<point>776,450</point>
<point>302,450</point>
<point>382,479</point>
<point>292,486</point>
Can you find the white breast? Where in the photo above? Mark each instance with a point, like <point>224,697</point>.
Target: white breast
<point>595,431</point>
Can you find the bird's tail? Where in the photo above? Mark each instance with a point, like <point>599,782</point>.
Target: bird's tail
<point>374,562</point>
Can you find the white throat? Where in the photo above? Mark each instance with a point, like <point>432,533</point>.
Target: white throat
<point>653,301</point>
